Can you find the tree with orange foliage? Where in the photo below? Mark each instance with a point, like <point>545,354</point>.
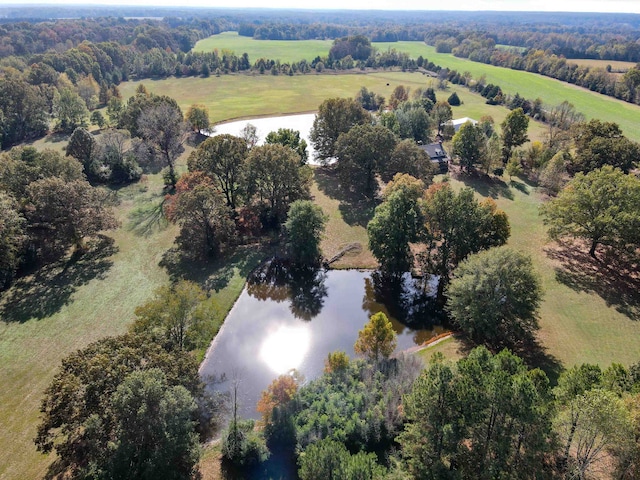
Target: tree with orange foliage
<point>277,394</point>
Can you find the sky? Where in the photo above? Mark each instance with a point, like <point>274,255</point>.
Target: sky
<point>625,6</point>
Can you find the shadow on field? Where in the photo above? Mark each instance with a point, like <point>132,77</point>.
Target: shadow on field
<point>487,186</point>
<point>355,209</point>
<point>615,279</point>
<point>147,219</point>
<point>50,288</point>
<point>214,274</point>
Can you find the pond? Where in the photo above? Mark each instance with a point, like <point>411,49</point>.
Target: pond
<point>265,125</point>
<point>284,321</point>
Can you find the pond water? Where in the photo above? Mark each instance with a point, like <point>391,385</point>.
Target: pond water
<point>283,322</point>
<point>265,125</point>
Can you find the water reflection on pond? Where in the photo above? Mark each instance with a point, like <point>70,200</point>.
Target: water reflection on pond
<point>292,319</point>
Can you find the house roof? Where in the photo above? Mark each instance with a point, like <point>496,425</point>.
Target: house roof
<point>462,121</point>
<point>435,151</point>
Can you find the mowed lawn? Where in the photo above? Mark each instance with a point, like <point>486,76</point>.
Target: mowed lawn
<point>530,85</point>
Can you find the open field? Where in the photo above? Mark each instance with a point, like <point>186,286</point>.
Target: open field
<point>616,65</point>
<point>286,51</point>
<point>529,85</point>
<point>243,96</point>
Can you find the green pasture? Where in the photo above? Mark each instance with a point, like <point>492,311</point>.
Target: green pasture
<point>231,97</point>
<point>286,51</point>
<point>530,85</point>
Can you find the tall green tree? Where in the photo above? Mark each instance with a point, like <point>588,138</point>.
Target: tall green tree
<point>289,138</point>
<point>62,214</point>
<point>223,158</point>
<point>275,179</point>
<point>514,132</point>
<point>181,313</point>
<point>24,111</point>
<point>80,419</point>
<point>494,297</point>
<point>485,417</point>
<point>407,157</point>
<point>12,238</point>
<point>470,145</point>
<point>335,116</point>
<point>457,225</point>
<point>70,111</point>
<point>154,431</point>
<point>198,117</point>
<point>82,146</point>
<point>362,152</point>
<point>601,207</point>
<point>305,225</point>
<point>397,222</point>
<point>602,143</point>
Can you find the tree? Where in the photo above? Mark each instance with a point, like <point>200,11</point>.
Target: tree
<point>514,132</point>
<point>330,460</point>
<point>98,119</point>
<point>198,117</point>
<point>154,429</point>
<point>494,297</point>
<point>554,174</point>
<point>470,145</point>
<point>62,213</point>
<point>223,158</point>
<point>602,143</point>
<point>457,225</point>
<point>24,111</point>
<point>305,225</point>
<point>80,419</point>
<point>413,122</point>
<point>12,238</point>
<point>560,119</point>
<point>407,157</point>
<point>454,100</point>
<point>70,111</point>
<point>250,135</point>
<point>485,417</point>
<point>377,340</point>
<point>278,394</point>
<point>514,168</point>
<point>441,114</point>
<point>369,100</point>
<point>594,422</point>
<point>601,207</point>
<point>275,178</point>
<point>335,116</point>
<point>399,95</point>
<point>205,220</point>
<point>289,138</point>
<point>397,222</point>
<point>82,146</point>
<point>164,131</point>
<point>362,152</point>
<point>181,313</point>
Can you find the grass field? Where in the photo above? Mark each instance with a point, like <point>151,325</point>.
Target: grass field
<point>242,96</point>
<point>616,66</point>
<point>530,85</point>
<point>284,50</point>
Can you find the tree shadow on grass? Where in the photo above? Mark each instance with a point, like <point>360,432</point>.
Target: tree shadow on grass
<point>214,274</point>
<point>614,278</point>
<point>520,186</point>
<point>486,186</point>
<point>50,288</point>
<point>147,219</point>
<point>355,209</point>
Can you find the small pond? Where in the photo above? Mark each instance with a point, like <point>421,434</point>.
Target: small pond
<point>285,321</point>
<point>265,125</point>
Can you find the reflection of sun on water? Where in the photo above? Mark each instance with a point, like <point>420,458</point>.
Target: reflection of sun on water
<point>285,348</point>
